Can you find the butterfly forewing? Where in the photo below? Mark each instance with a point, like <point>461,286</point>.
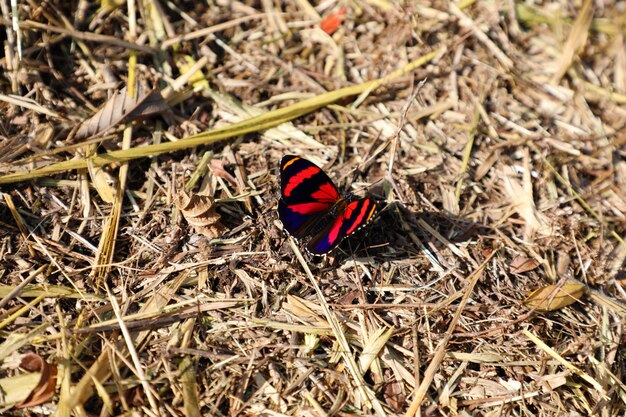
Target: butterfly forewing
<point>307,195</point>
<point>302,181</point>
<point>355,215</point>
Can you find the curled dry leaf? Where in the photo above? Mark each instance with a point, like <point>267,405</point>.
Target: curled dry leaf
<point>47,382</point>
<point>553,297</point>
<point>121,108</point>
<point>199,211</point>
<point>521,264</point>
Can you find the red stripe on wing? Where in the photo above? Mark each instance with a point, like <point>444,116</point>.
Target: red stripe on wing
<point>360,220</point>
<point>326,192</point>
<point>334,231</point>
<point>299,178</point>
<point>308,208</point>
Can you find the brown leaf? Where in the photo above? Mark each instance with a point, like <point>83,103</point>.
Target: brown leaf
<point>350,297</point>
<point>395,397</point>
<point>137,398</point>
<point>121,108</point>
<point>521,264</point>
<point>199,211</point>
<point>47,383</point>
<point>553,297</point>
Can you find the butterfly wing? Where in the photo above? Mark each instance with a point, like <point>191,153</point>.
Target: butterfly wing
<point>307,195</point>
<point>356,214</point>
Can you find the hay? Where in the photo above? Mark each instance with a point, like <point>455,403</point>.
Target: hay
<point>490,133</point>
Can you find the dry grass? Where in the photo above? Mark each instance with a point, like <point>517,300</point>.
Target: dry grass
<point>491,132</point>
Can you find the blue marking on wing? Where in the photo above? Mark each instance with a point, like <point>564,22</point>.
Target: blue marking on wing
<point>292,221</point>
<point>320,246</point>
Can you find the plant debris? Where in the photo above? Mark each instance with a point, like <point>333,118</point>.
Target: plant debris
<point>199,211</point>
<point>490,135</point>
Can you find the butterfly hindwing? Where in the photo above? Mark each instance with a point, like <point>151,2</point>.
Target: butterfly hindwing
<point>355,215</point>
<point>297,224</point>
<point>307,195</point>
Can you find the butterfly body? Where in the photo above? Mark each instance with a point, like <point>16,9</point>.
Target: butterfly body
<point>310,204</point>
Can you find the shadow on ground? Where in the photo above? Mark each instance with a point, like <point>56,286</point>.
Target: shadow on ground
<point>395,234</point>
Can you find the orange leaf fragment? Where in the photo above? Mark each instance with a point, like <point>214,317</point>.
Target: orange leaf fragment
<point>553,297</point>
<point>199,211</point>
<point>331,23</point>
<point>521,264</point>
<point>44,390</point>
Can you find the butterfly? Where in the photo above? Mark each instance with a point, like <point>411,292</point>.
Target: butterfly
<point>310,204</point>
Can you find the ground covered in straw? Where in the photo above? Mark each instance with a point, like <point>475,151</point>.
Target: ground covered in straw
<point>141,255</point>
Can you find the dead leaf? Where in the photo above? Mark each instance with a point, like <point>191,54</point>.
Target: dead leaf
<point>47,382</point>
<point>102,181</point>
<point>394,396</point>
<point>553,297</point>
<point>42,136</point>
<point>199,211</point>
<point>121,108</point>
<point>137,398</point>
<point>521,264</point>
<point>218,169</point>
<point>350,297</point>
<point>554,380</point>
<point>16,388</point>
<point>304,310</point>
<point>520,194</point>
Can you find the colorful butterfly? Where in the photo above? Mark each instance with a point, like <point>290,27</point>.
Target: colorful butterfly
<point>311,205</point>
